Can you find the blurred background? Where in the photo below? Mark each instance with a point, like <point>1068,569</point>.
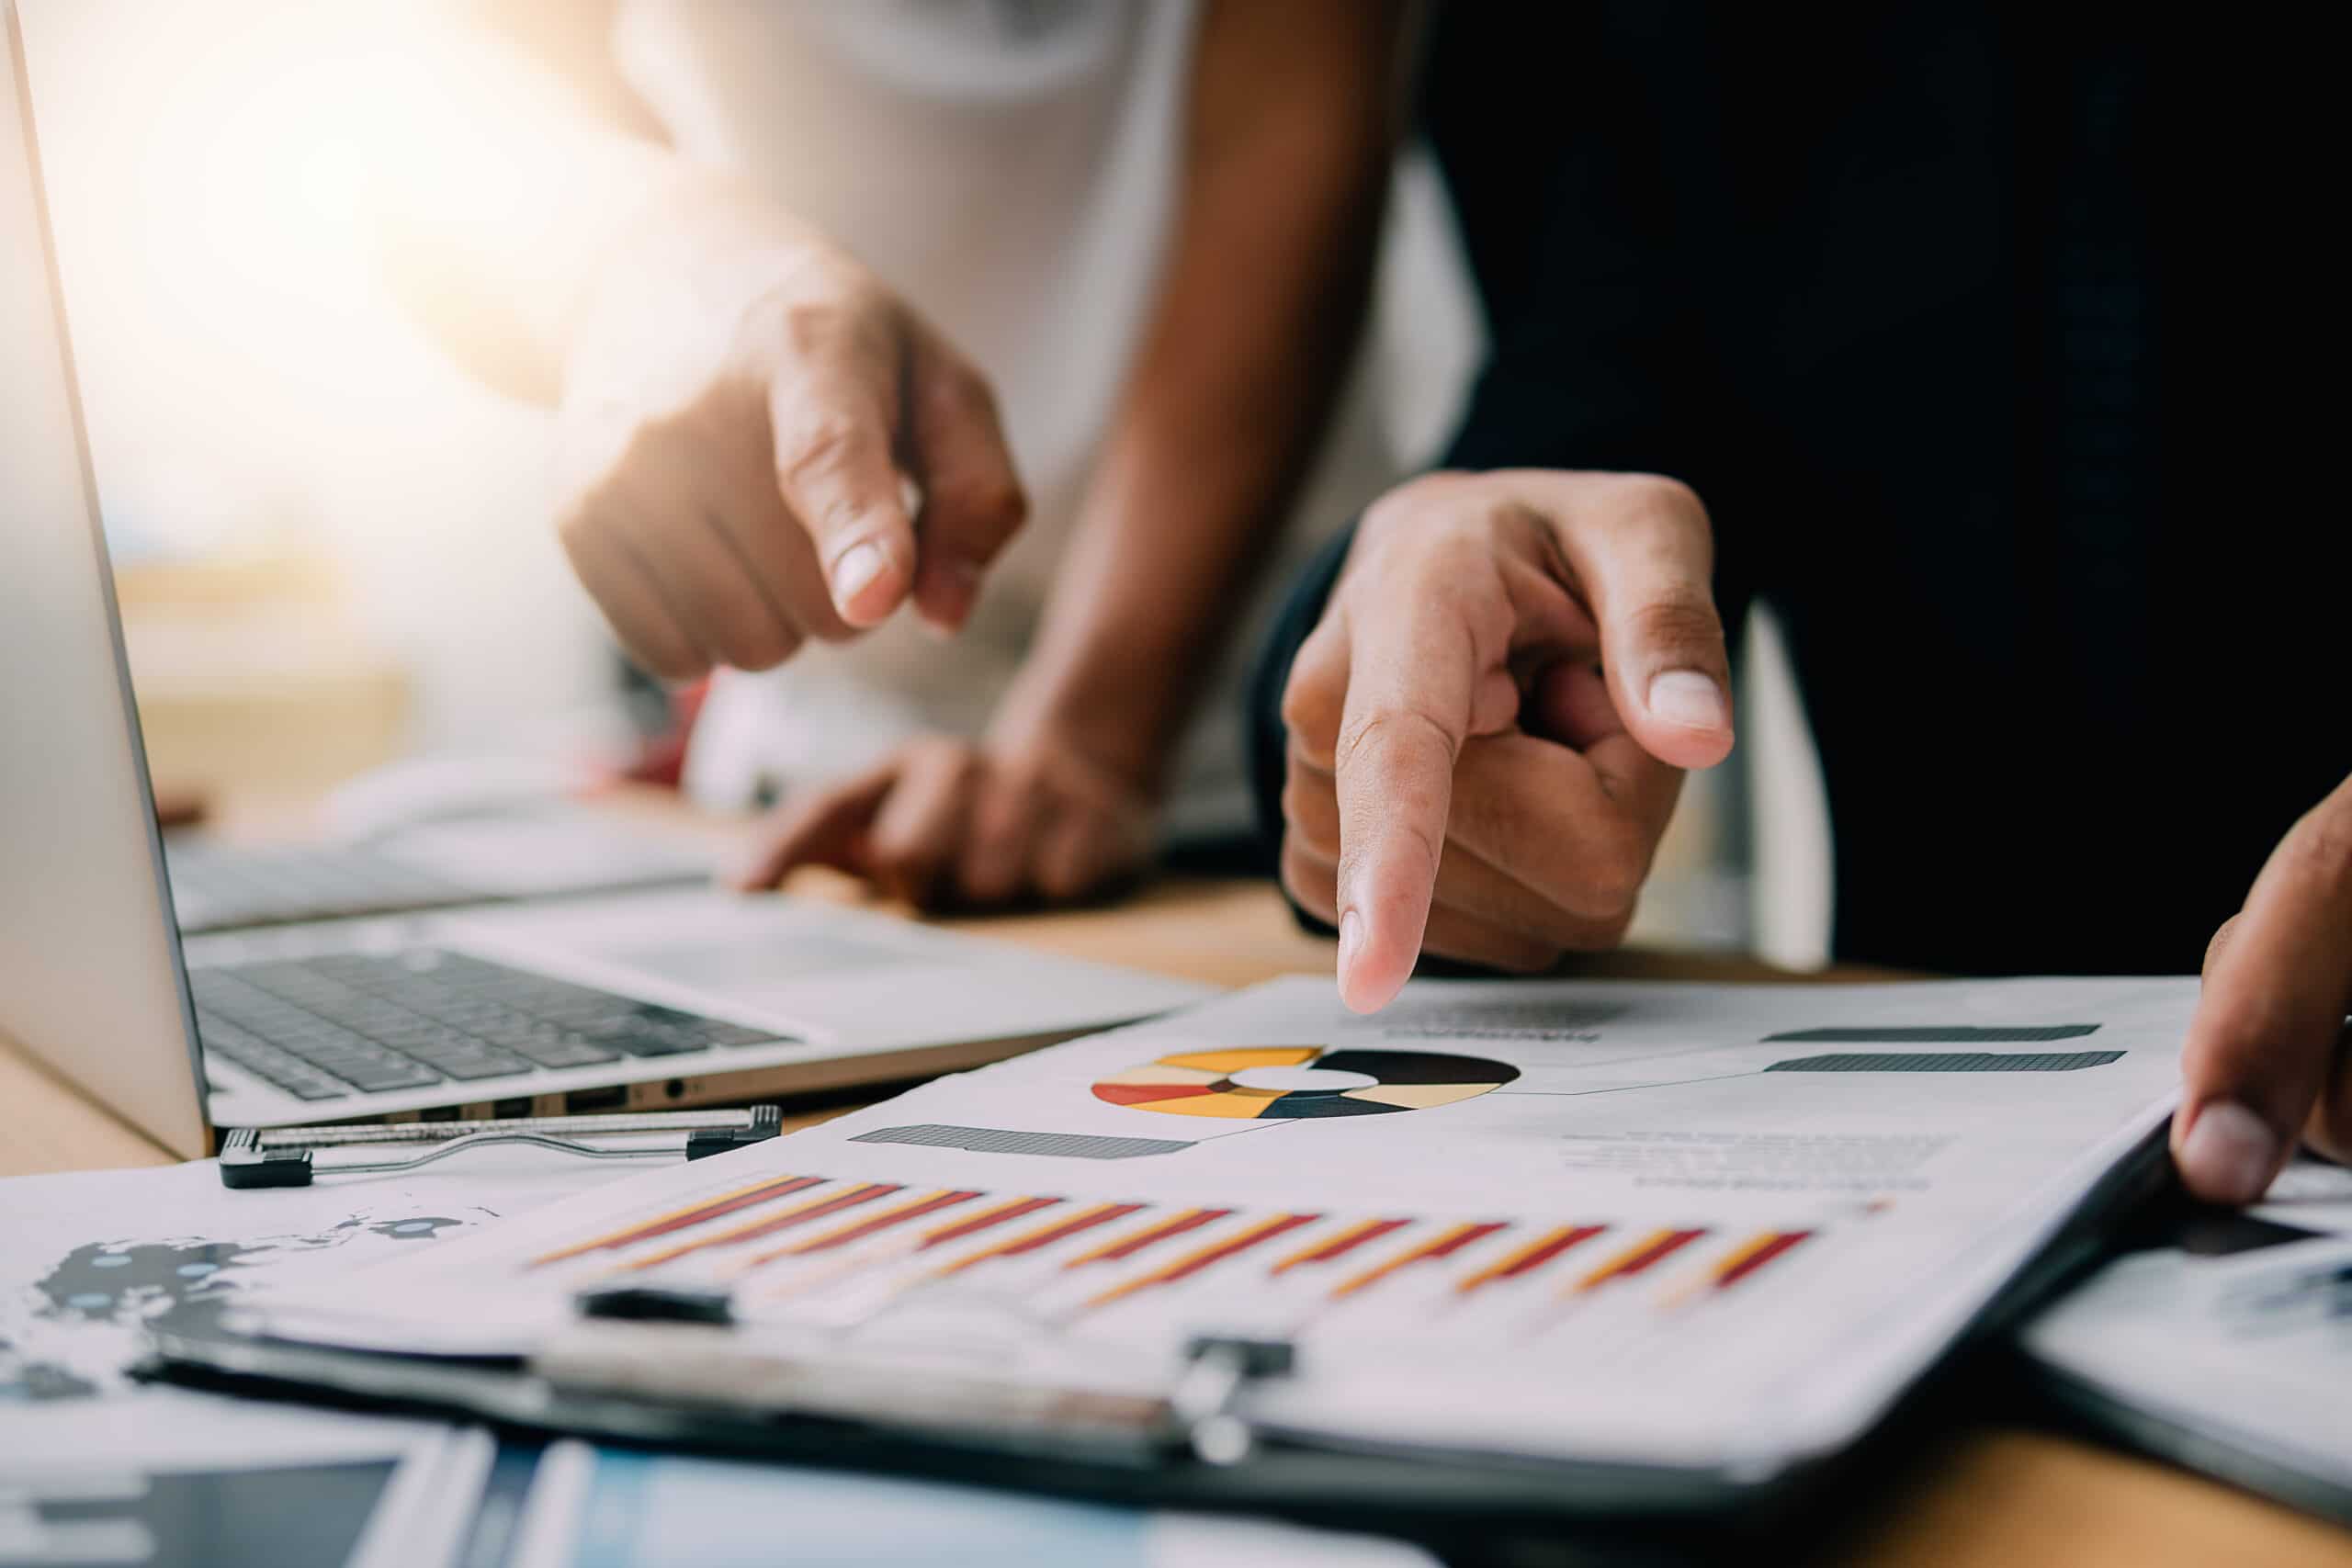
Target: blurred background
<point>334,547</point>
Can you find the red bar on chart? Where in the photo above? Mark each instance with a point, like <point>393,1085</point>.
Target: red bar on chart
<point>700,1211</point>
<point>1334,1248</point>
<point>800,1215</point>
<point>975,1224</point>
<point>1445,1243</point>
<point>1533,1256</point>
<point>1644,1254</point>
<point>1203,1257</point>
<point>866,1225</point>
<point>1045,1236</point>
<point>1738,1265</point>
<point>1121,1247</point>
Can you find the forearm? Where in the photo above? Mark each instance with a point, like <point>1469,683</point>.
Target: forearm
<point>495,207</point>
<point>1292,130</point>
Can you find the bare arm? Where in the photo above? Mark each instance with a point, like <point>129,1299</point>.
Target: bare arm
<point>1292,124</point>
<point>1291,127</point>
<point>526,156</point>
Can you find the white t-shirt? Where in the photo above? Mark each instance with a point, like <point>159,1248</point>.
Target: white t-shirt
<point>1009,167</point>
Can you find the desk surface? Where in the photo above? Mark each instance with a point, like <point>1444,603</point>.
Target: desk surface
<point>1981,1494</point>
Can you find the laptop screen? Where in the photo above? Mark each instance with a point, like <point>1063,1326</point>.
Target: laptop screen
<point>90,977</point>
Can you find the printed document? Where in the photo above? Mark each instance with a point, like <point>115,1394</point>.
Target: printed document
<point>1670,1224</point>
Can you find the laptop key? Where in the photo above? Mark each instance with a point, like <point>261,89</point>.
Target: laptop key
<point>467,1069</point>
<point>736,1035</point>
<point>377,1079</point>
<point>572,1052</point>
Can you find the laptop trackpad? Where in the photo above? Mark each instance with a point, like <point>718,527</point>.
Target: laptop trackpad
<point>756,967</point>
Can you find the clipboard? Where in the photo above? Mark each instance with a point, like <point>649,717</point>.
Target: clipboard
<point>658,1367</point>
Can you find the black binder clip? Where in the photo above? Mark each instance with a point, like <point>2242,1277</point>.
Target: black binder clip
<point>1219,1367</point>
<point>244,1164</point>
<point>655,1303</point>
<point>767,1122</point>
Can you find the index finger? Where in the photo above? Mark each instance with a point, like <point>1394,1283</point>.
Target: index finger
<point>1419,652</point>
<point>2267,1027</point>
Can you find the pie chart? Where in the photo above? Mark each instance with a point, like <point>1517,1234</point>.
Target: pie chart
<point>1279,1082</point>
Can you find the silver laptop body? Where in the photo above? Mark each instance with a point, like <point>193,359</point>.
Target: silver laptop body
<point>635,1001</point>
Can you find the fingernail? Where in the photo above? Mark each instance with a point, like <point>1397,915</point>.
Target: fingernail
<point>1350,936</point>
<point>859,565</point>
<point>1687,698</point>
<point>2229,1154</point>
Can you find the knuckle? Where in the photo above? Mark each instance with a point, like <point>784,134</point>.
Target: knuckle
<point>1311,707</point>
<point>1682,619</point>
<point>818,442</point>
<point>958,393</point>
<point>1401,504</point>
<point>988,508</point>
<point>761,644</point>
<point>1383,732</point>
<point>1662,493</point>
<point>836,315</point>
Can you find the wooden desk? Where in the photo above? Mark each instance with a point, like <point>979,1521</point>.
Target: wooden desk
<point>1983,1496</point>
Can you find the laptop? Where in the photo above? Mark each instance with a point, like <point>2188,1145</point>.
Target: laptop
<point>644,1000</point>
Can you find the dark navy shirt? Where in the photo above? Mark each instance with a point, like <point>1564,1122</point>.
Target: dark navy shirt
<point>1994,345</point>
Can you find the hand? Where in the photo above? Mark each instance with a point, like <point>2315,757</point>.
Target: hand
<point>944,823</point>
<point>2266,1056</point>
<point>743,403</point>
<point>1489,726</point>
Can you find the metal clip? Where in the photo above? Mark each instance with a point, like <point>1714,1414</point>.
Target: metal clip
<point>281,1157</point>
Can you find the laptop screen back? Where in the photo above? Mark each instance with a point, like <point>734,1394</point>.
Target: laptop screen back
<point>90,979</point>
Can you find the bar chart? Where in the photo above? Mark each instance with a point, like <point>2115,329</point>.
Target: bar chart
<point>839,1250</point>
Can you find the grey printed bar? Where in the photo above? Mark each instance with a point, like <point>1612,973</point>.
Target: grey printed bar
<point>1004,1141</point>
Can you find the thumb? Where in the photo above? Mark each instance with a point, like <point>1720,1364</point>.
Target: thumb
<point>1643,551</point>
<point>832,423</point>
<point>2268,1024</point>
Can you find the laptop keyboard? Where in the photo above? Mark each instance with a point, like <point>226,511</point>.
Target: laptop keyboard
<point>217,888</point>
<point>345,1023</point>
